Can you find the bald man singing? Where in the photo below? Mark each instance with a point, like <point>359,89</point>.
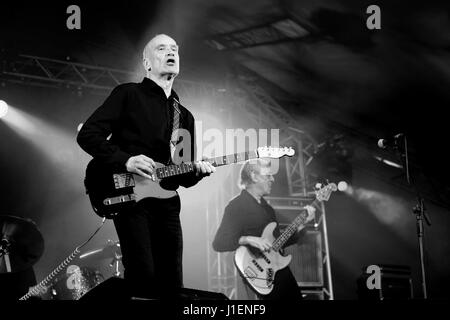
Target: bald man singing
<point>142,119</point>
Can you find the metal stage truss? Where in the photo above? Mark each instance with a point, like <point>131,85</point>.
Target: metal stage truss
<point>59,74</point>
<point>281,29</point>
<point>267,113</point>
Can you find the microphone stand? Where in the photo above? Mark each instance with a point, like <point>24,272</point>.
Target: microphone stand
<point>420,211</point>
<point>4,252</point>
<point>115,264</point>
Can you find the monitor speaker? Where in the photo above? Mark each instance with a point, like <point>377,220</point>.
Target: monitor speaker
<point>307,259</point>
<point>395,284</point>
<point>306,264</point>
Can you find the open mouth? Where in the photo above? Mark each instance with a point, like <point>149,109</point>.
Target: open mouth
<point>170,62</point>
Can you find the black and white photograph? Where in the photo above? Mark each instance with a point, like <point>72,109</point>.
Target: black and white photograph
<point>225,157</point>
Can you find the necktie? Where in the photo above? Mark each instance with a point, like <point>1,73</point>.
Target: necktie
<point>175,127</point>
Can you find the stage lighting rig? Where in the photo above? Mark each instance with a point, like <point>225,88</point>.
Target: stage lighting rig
<point>3,108</point>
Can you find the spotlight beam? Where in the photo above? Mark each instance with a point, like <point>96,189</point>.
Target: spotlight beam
<point>389,163</point>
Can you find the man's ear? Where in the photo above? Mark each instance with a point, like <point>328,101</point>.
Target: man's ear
<point>253,176</point>
<point>146,64</point>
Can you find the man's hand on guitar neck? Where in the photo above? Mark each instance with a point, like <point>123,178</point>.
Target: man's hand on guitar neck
<point>256,242</point>
<point>142,165</point>
<point>203,168</point>
<point>311,216</point>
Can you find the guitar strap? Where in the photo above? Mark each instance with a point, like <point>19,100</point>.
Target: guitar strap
<point>175,126</point>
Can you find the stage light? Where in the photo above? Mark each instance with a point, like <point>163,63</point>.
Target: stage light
<point>3,108</point>
<point>342,186</point>
<point>389,163</point>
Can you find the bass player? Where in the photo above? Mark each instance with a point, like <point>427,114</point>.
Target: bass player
<point>245,218</point>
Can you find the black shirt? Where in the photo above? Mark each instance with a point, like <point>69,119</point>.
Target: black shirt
<point>244,216</point>
<point>139,116</point>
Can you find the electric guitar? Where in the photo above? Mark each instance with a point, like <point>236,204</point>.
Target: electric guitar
<point>110,192</point>
<point>259,268</point>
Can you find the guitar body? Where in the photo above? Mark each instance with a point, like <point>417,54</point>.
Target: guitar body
<point>259,268</point>
<point>112,191</point>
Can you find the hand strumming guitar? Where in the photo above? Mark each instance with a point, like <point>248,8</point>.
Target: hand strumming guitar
<point>141,165</point>
<point>256,242</point>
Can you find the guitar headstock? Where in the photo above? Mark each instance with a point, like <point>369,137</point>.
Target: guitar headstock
<point>324,192</point>
<point>275,152</point>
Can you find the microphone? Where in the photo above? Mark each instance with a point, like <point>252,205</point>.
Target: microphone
<point>390,142</point>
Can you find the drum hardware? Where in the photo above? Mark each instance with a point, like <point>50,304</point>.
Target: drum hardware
<point>110,250</point>
<point>75,283</point>
<point>4,252</point>
<point>104,252</point>
<point>21,244</point>
<point>42,287</point>
<point>115,264</point>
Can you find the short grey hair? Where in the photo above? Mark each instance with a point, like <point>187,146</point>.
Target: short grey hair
<point>147,46</point>
<point>250,166</point>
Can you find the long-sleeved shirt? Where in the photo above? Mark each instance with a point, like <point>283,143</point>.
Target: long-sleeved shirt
<point>139,118</point>
<point>244,216</point>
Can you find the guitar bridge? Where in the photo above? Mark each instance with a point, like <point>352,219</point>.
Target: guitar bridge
<point>270,275</point>
<point>123,180</point>
<point>119,199</point>
<point>249,273</point>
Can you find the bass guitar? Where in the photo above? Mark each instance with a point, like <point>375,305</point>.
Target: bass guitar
<point>259,268</point>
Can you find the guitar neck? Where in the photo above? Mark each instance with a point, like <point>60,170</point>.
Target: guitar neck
<point>292,228</point>
<point>186,167</point>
